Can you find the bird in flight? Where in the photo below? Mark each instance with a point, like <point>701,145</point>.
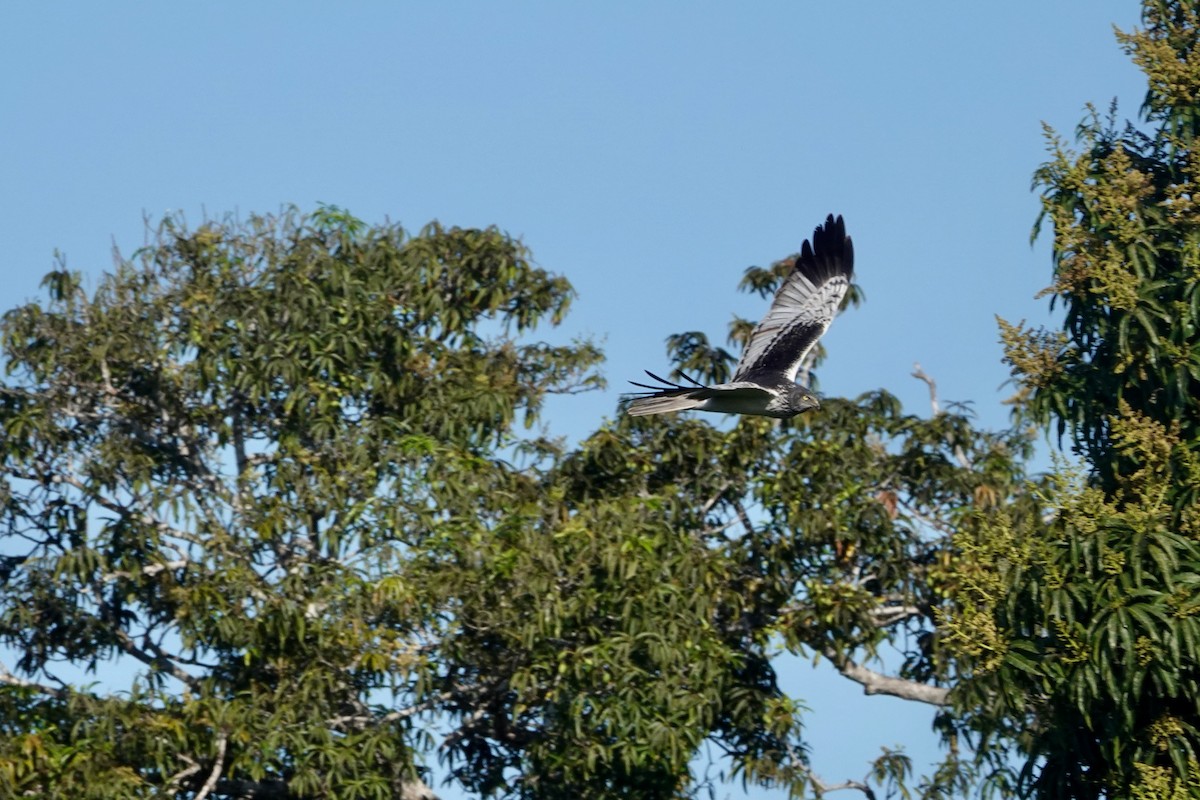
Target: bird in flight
<point>764,382</point>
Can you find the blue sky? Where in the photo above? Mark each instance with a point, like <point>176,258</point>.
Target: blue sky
<point>649,152</point>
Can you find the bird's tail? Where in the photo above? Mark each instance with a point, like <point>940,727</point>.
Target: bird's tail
<point>667,398</point>
<point>644,406</point>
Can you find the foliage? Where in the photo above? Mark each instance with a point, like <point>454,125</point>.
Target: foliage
<point>273,471</point>
<point>212,466</point>
<point>1090,653</point>
<point>275,466</point>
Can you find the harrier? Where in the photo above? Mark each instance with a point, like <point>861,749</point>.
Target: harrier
<point>765,380</point>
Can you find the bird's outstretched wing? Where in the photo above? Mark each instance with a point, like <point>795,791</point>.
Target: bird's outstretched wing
<point>804,305</point>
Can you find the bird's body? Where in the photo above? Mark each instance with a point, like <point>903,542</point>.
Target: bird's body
<point>764,382</point>
<point>781,399</point>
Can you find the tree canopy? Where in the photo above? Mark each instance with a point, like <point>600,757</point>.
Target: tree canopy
<point>288,480</point>
<point>276,466</point>
<point>1093,663</point>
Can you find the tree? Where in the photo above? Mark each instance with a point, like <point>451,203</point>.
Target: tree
<point>211,466</point>
<point>274,466</point>
<point>1084,636</point>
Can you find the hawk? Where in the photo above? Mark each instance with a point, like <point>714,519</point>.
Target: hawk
<point>764,382</point>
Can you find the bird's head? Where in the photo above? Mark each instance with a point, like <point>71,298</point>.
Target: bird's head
<point>803,399</point>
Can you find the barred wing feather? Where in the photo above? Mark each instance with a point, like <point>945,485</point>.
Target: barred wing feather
<point>764,382</point>
<point>804,305</point>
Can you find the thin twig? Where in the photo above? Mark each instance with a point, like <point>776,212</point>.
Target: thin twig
<point>158,658</point>
<point>359,721</point>
<point>820,786</point>
<point>919,516</point>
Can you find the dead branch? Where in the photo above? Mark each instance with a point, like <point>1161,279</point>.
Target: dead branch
<point>920,375</point>
<point>877,683</point>
<point>218,768</point>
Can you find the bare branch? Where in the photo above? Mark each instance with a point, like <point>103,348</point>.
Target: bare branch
<point>936,524</point>
<point>877,683</point>
<point>217,769</point>
<point>363,720</point>
<point>13,680</point>
<point>744,517</point>
<point>885,616</point>
<point>573,389</point>
<point>713,530</point>
<point>106,376</point>
<point>824,788</point>
<point>820,787</point>
<point>150,653</point>
<point>920,375</point>
<point>417,790</point>
<point>712,501</point>
<point>272,789</point>
<point>157,658</point>
<point>148,570</point>
<point>43,472</point>
<point>465,727</point>
<point>182,775</point>
<point>239,439</point>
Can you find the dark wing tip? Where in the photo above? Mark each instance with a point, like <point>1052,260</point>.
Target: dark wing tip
<point>830,254</point>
